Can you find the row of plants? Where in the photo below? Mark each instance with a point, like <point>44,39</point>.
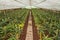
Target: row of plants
<point>12,23</point>
<point>48,24</point>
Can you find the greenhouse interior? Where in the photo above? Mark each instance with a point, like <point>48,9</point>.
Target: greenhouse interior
<point>29,19</point>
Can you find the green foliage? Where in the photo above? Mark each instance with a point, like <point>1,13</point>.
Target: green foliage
<point>9,20</point>
<point>47,20</point>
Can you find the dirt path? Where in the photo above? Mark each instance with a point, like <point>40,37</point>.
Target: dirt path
<point>23,34</point>
<point>30,30</point>
<point>29,35</point>
<point>35,33</point>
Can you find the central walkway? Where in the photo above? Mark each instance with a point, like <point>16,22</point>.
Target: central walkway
<point>29,35</point>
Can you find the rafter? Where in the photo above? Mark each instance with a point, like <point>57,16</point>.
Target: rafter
<point>30,2</point>
<point>20,2</point>
<point>39,2</point>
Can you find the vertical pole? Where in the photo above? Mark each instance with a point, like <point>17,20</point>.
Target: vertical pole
<point>30,3</point>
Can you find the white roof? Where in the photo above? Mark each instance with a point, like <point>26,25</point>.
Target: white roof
<point>50,4</point>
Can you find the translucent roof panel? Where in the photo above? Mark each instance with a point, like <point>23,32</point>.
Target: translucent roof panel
<point>50,4</point>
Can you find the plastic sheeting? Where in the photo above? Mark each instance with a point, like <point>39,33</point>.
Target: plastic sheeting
<point>49,4</point>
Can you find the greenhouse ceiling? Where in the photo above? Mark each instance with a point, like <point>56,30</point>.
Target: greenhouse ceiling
<point>49,4</point>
